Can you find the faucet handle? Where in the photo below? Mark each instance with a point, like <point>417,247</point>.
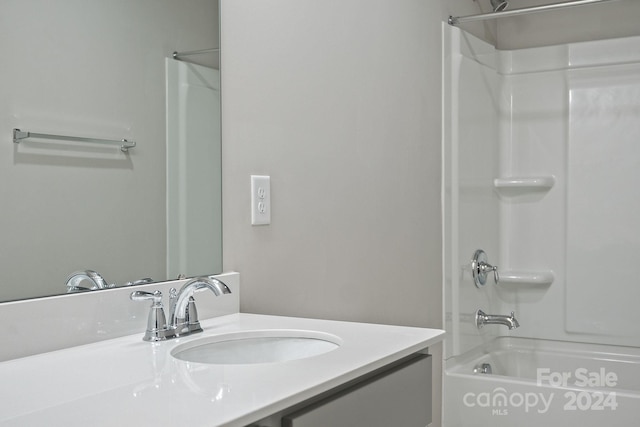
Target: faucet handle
<point>143,296</point>
<point>481,268</point>
<point>486,268</point>
<point>156,322</point>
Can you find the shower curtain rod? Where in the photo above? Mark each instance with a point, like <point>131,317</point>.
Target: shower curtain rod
<point>456,20</point>
<point>176,55</point>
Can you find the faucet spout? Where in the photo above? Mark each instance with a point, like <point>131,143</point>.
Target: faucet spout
<point>183,313</point>
<point>496,319</point>
<point>74,280</point>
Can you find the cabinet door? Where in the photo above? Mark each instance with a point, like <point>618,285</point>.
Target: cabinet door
<point>398,397</point>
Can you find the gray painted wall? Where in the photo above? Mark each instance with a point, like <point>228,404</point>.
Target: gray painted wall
<point>340,103</point>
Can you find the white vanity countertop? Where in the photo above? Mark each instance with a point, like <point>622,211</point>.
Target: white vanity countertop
<point>127,381</point>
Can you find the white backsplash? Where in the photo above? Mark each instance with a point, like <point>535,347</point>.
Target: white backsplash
<point>46,324</point>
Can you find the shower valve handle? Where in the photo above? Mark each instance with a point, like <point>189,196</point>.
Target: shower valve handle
<point>486,268</point>
<point>481,268</point>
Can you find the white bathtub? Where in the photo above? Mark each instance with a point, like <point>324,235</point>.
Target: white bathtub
<point>543,383</point>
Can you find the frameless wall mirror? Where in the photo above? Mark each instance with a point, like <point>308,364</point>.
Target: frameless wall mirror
<point>103,69</point>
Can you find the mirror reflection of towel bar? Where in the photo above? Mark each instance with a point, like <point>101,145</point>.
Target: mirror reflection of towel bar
<point>177,55</point>
<point>19,135</point>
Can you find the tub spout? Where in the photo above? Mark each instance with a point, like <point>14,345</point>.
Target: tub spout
<point>496,319</point>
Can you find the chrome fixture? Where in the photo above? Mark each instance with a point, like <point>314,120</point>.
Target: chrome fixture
<point>499,5</point>
<point>177,55</point>
<point>77,277</point>
<point>183,318</point>
<point>496,319</point>
<point>19,135</point>
<point>156,321</point>
<point>480,269</point>
<point>97,282</point>
<point>483,368</point>
<point>457,20</point>
<point>139,282</point>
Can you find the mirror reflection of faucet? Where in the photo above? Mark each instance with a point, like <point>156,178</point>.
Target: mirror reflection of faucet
<point>75,282</point>
<point>496,319</point>
<point>94,278</point>
<point>139,282</point>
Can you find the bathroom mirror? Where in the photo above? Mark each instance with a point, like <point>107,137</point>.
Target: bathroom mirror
<point>98,69</point>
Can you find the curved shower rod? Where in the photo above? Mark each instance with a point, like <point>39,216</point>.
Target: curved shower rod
<point>456,20</point>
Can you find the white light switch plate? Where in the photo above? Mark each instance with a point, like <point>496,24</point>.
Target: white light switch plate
<point>260,200</point>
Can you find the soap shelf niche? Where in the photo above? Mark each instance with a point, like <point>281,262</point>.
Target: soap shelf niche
<point>513,185</point>
<point>527,278</point>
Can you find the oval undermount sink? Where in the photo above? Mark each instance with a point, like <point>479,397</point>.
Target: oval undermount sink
<point>251,347</point>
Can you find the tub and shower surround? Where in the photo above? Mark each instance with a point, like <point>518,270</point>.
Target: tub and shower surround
<point>470,164</point>
<point>536,382</point>
<point>574,118</point>
<point>540,161</point>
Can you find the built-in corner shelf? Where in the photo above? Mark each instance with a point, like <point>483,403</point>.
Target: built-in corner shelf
<point>513,185</point>
<point>527,278</point>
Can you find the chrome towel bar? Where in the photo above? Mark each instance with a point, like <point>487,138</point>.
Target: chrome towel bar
<point>177,55</point>
<point>19,135</point>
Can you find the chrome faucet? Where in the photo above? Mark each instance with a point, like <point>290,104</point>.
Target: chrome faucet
<point>496,319</point>
<point>183,318</point>
<point>74,280</point>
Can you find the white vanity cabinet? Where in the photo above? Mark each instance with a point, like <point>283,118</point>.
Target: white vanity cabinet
<point>397,395</point>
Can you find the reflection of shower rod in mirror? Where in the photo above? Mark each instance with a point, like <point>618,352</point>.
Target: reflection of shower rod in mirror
<point>19,135</point>
<point>177,55</point>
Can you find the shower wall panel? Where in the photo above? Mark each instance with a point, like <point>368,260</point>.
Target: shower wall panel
<point>574,112</point>
<point>471,163</point>
<point>603,204</point>
<point>531,217</point>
